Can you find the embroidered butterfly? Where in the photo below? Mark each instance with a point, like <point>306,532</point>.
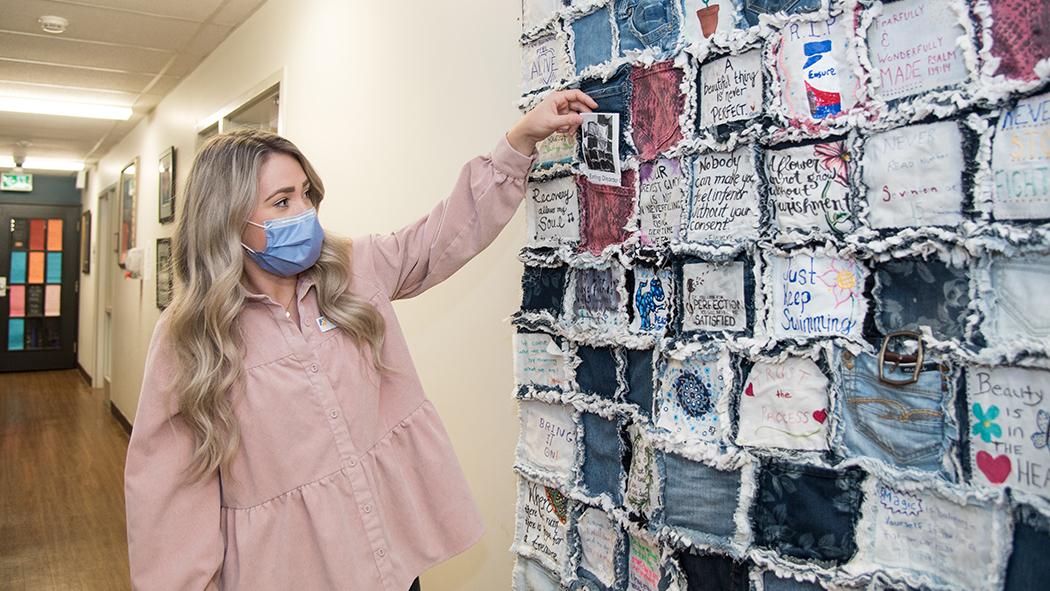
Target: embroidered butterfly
<point>1041,439</point>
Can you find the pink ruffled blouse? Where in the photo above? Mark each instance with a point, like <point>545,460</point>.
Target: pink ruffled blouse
<point>344,479</point>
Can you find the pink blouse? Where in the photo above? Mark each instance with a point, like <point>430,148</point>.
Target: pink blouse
<point>344,480</point>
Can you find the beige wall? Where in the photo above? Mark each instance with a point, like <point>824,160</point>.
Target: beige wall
<point>388,100</point>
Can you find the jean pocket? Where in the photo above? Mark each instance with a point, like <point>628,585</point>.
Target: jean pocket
<point>909,434</point>
<point>1018,314</point>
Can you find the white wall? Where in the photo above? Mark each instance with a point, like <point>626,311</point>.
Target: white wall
<point>388,100</point>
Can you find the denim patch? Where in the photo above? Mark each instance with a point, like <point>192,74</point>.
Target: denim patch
<point>1010,312</point>
<point>542,524</point>
<point>1019,38</point>
<point>809,189</point>
<point>544,63</point>
<point>538,361</point>
<point>1028,567</point>
<point>913,293</point>
<point>642,496</point>
<point>1020,160</point>
<point>593,39</point>
<point>597,297</point>
<point>700,501</point>
<point>646,23</point>
<point>784,405</point>
<point>713,297</point>
<point>556,149</point>
<point>548,438</point>
<point>703,18</point>
<point>913,47</point>
<point>687,398</point>
<point>752,9</point>
<point>552,212</point>
<point>817,296</point>
<point>807,512</point>
<point>614,96</point>
<point>543,289</point>
<point>598,372</point>
<point>900,425</point>
<point>817,81</point>
<point>652,294</point>
<point>730,89</point>
<point>771,582</point>
<point>912,533</point>
<point>645,567</point>
<point>661,201</point>
<point>656,105</point>
<point>605,212</point>
<point>640,380</point>
<point>529,575</point>
<point>1009,412</point>
<point>914,176</point>
<point>713,573</point>
<point>724,207</point>
<point>603,458</point>
<point>601,546</point>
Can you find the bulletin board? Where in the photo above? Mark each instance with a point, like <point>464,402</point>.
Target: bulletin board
<point>783,319</point>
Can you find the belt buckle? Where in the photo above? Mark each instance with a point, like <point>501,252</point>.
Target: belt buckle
<point>886,355</point>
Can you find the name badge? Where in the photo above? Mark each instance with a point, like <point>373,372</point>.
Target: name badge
<point>325,324</point>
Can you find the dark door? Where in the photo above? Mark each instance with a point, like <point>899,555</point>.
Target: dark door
<point>39,257</point>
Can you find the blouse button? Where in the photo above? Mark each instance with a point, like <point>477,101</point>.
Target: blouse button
<point>313,368</point>
<point>352,463</point>
<point>380,552</point>
<point>333,413</point>
<point>367,508</point>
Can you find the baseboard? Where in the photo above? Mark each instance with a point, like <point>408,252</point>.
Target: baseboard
<point>124,423</point>
<point>84,374</point>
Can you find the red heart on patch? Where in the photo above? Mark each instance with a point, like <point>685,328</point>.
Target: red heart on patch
<point>821,415</point>
<point>995,468</point>
<point>750,390</point>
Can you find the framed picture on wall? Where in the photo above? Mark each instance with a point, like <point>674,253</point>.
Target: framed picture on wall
<point>165,279</point>
<point>129,186</point>
<point>166,186</point>
<point>85,242</point>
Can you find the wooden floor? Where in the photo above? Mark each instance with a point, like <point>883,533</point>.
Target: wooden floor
<point>61,485</point>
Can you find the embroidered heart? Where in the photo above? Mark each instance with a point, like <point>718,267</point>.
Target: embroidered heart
<point>750,391</point>
<point>995,468</point>
<point>693,395</point>
<point>821,415</point>
<point>559,503</point>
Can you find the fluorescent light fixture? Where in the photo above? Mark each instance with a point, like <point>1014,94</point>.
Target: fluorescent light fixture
<point>63,109</point>
<point>44,164</point>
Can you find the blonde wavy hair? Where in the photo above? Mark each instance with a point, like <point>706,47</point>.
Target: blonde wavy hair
<point>208,263</point>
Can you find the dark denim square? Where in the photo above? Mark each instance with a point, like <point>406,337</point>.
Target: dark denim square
<point>593,43</point>
<point>913,293</point>
<point>602,457</point>
<point>699,499</point>
<point>713,573</point>
<point>771,582</point>
<point>640,379</point>
<point>807,512</point>
<point>597,372</point>
<point>1028,567</point>
<point>753,8</point>
<point>543,289</point>
<point>613,96</point>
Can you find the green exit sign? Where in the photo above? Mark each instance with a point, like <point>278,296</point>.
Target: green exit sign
<point>10,181</point>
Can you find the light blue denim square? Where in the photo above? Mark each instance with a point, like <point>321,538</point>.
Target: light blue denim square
<point>602,457</point>
<point>593,40</point>
<point>700,500</point>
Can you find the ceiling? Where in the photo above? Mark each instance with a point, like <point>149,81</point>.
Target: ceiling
<point>127,53</point>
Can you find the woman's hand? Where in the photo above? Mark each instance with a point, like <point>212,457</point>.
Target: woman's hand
<point>559,111</point>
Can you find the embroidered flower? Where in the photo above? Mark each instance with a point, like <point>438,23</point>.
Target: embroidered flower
<point>842,279</point>
<point>983,424</point>
<point>835,159</point>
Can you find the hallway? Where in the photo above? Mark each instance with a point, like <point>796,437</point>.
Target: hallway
<point>61,485</point>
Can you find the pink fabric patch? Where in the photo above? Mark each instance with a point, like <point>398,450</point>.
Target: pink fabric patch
<point>656,104</point>
<point>604,211</point>
<point>1020,36</point>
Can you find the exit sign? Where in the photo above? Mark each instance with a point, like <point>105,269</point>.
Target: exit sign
<point>10,181</point>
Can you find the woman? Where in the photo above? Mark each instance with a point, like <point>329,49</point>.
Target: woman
<point>282,438</point>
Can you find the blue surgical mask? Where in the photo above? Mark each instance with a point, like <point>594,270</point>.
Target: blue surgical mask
<point>293,244</point>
